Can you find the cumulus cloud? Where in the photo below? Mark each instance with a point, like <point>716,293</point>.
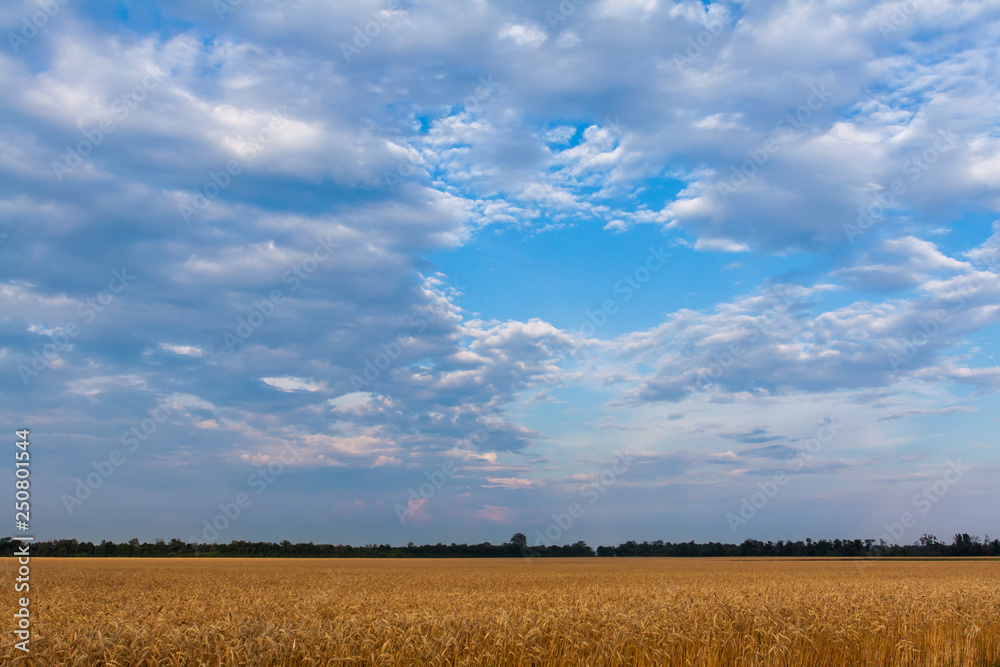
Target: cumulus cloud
<point>237,218</point>
<point>523,35</point>
<point>294,384</point>
<point>782,338</point>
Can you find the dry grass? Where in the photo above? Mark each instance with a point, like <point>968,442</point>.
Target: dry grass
<point>703,613</point>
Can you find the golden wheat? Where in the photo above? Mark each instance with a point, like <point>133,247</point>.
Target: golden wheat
<point>703,612</point>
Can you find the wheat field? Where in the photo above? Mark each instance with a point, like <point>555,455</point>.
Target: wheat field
<point>608,611</point>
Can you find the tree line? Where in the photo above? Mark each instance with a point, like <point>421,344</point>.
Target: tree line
<point>928,546</point>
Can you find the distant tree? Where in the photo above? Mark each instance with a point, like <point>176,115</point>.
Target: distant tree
<point>964,544</point>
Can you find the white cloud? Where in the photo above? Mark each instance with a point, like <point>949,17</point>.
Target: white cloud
<point>513,482</point>
<point>721,245</point>
<point>288,384</point>
<point>384,460</point>
<point>183,350</point>
<point>658,140</point>
<point>525,35</point>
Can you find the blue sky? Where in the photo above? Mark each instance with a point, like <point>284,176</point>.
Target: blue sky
<point>379,272</point>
